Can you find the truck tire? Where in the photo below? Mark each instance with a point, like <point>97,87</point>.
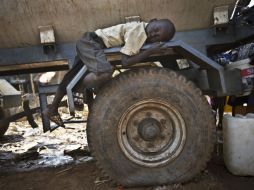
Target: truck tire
<point>150,127</point>
<point>3,124</point>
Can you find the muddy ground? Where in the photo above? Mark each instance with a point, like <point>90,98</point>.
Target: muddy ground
<point>32,160</point>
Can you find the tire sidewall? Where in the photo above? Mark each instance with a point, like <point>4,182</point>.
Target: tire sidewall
<point>170,89</point>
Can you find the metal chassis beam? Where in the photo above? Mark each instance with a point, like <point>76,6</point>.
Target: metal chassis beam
<point>35,54</point>
<point>204,62</point>
<point>70,87</point>
<point>199,39</point>
<point>218,78</point>
<point>44,91</point>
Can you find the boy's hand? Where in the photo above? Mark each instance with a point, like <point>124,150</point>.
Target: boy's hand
<point>156,48</point>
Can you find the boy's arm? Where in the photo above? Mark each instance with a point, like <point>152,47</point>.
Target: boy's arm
<point>130,60</point>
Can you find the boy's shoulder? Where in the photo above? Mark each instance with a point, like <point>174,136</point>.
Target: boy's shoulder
<point>135,23</point>
<point>130,25</point>
<point>122,28</point>
<point>138,26</point>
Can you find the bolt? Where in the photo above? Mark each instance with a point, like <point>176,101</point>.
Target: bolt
<point>163,121</point>
<point>150,145</point>
<point>162,137</point>
<point>136,138</point>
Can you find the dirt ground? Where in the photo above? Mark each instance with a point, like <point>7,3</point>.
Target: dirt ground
<point>86,176</point>
<point>32,160</point>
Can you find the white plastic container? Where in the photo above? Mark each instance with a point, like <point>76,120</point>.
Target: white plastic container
<point>238,145</point>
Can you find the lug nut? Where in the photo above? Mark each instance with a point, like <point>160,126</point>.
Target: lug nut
<point>135,122</point>
<point>136,138</point>
<point>163,121</point>
<point>150,145</point>
<point>148,114</point>
<point>162,137</point>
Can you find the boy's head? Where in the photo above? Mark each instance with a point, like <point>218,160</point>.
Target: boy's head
<point>160,30</point>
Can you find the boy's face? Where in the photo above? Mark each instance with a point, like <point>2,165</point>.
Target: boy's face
<point>156,32</point>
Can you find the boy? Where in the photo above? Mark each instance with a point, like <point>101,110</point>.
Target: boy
<point>90,52</point>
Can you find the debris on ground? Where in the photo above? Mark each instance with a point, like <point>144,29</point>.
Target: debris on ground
<point>119,187</point>
<point>67,164</point>
<point>101,180</point>
<point>77,152</point>
<point>169,187</point>
<point>28,155</point>
<point>25,148</point>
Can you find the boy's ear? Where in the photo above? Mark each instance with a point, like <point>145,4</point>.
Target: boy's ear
<point>152,20</point>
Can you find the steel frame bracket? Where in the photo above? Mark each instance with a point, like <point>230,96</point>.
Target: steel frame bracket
<point>70,87</point>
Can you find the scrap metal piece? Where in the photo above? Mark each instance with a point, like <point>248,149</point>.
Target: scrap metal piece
<point>9,96</point>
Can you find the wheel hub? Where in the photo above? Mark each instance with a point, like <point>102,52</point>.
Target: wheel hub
<point>149,129</point>
<point>151,133</point>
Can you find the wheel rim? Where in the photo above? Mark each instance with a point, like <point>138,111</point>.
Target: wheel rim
<point>151,133</point>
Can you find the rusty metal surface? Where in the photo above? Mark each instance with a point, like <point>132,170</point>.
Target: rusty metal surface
<point>151,133</point>
<point>20,19</point>
<point>34,67</point>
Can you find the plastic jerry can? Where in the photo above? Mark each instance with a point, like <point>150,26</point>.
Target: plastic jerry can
<point>238,144</point>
